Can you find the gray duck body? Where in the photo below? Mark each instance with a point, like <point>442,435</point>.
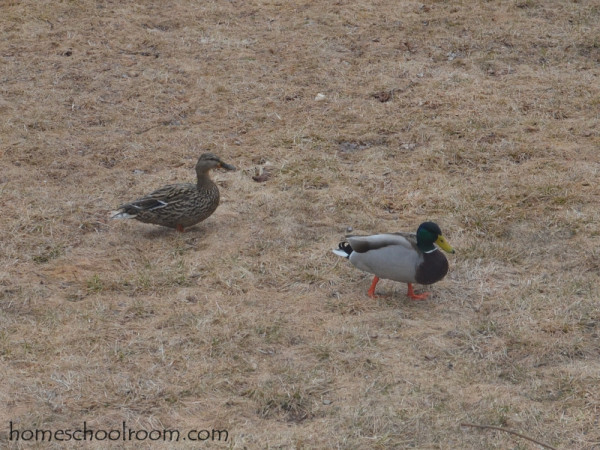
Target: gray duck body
<point>405,257</point>
<point>396,256</point>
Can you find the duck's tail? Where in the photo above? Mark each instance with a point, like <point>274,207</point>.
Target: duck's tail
<point>121,215</point>
<point>130,210</point>
<point>344,249</point>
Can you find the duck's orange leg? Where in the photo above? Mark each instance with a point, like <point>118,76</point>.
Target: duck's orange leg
<point>411,294</point>
<point>179,228</point>
<point>371,291</point>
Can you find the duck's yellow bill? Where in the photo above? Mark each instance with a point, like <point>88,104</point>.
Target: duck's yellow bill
<point>443,244</point>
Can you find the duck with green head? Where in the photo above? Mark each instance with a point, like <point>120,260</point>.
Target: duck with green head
<point>406,257</point>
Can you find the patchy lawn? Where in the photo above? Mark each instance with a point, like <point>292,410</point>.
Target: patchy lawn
<point>482,116</point>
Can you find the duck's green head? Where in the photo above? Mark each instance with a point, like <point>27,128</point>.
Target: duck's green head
<point>429,233</point>
<point>209,161</point>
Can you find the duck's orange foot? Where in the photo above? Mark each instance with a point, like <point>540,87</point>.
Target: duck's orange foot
<point>411,294</point>
<point>371,291</point>
<point>179,228</point>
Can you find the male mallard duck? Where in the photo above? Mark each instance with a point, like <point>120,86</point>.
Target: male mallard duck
<point>407,257</point>
<point>179,205</point>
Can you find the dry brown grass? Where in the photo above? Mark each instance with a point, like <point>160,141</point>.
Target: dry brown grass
<point>247,322</point>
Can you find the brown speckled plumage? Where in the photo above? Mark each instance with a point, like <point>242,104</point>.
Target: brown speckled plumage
<point>179,205</point>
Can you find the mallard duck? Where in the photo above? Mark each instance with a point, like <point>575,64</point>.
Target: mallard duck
<point>179,205</point>
<point>407,257</point>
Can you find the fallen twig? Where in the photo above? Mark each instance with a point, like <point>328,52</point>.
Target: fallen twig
<point>507,431</point>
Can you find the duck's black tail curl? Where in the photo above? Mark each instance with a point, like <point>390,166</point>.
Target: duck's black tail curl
<point>344,249</point>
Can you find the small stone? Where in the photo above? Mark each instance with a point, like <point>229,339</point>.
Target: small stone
<point>383,96</point>
<point>264,176</point>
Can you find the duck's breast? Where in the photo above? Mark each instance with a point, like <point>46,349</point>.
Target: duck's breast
<point>433,268</point>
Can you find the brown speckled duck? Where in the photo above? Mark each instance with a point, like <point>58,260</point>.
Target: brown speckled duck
<point>179,205</point>
<point>406,257</point>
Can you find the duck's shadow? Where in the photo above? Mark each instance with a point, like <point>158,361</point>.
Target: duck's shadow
<point>200,231</point>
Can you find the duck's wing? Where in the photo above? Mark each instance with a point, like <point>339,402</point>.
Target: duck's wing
<point>160,198</point>
<point>364,244</point>
<point>392,256</point>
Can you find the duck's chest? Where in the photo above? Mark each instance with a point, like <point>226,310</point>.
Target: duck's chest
<point>433,268</point>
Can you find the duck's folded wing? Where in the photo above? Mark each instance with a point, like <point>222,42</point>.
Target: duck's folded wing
<point>389,256</point>
<point>363,244</point>
<point>146,204</point>
<point>162,197</point>
<point>172,192</point>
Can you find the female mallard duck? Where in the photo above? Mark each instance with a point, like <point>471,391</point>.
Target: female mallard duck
<point>179,205</point>
<point>407,257</point>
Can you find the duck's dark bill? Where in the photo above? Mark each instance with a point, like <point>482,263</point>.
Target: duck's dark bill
<point>226,166</point>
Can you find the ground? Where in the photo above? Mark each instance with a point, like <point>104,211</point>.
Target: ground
<point>482,116</point>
